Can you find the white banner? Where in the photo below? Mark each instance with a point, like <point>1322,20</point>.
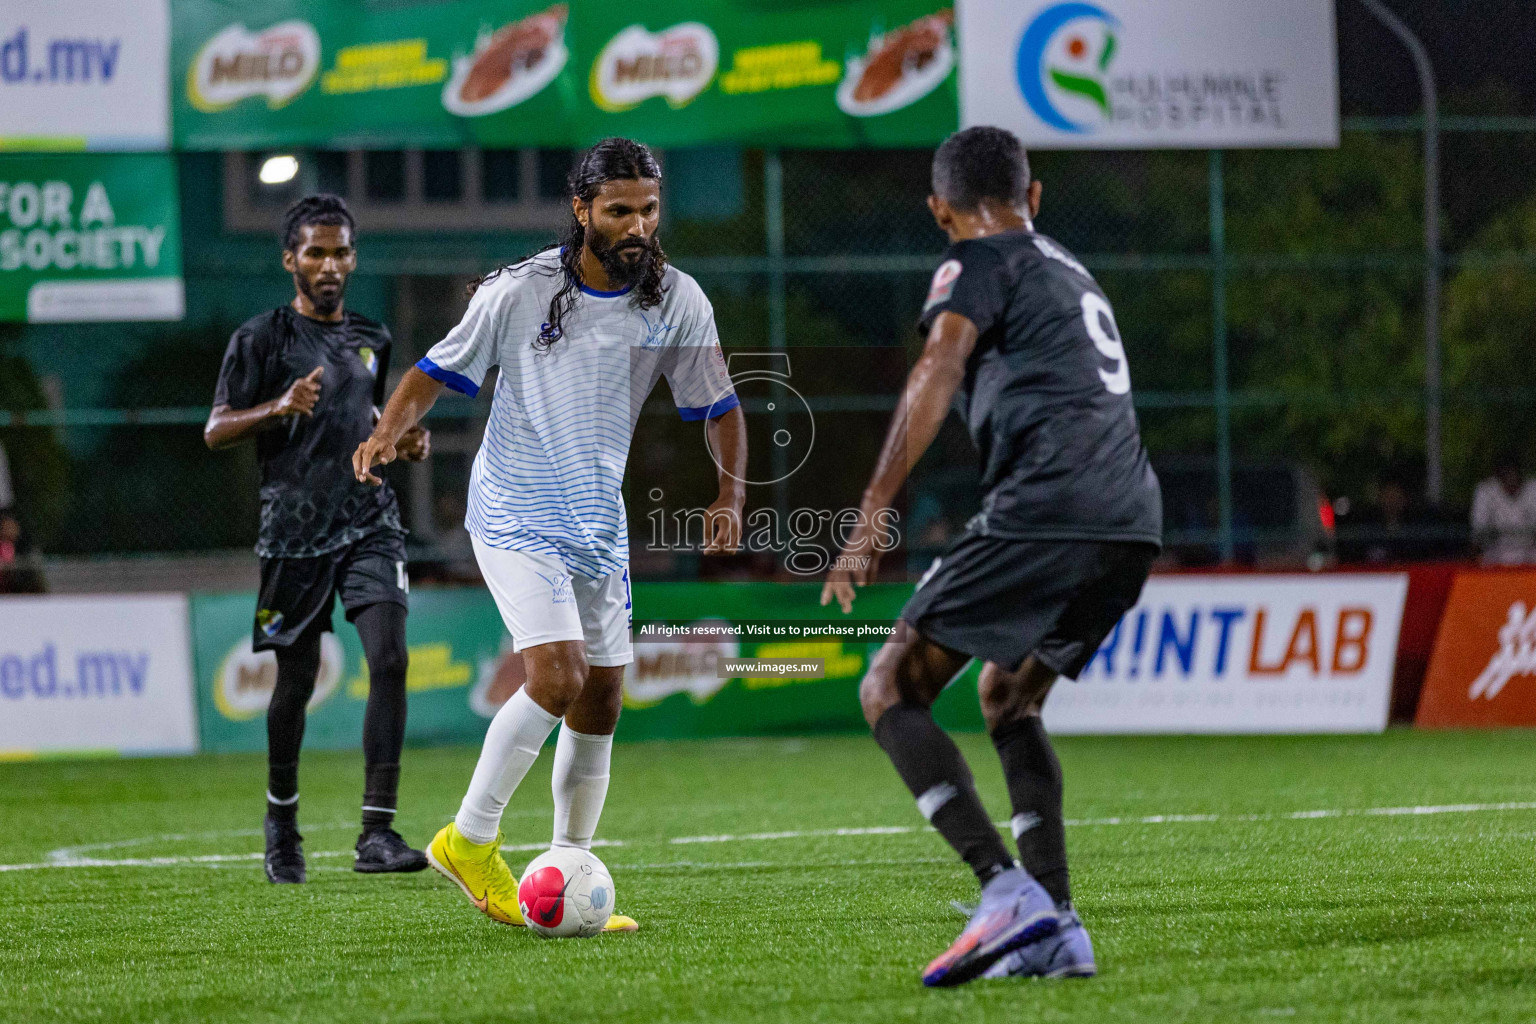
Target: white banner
<point>101,673</point>
<point>1134,74</point>
<point>1242,654</point>
<point>85,72</point>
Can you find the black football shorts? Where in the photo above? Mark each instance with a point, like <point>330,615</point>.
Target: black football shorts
<point>299,594</point>
<point>1001,599</point>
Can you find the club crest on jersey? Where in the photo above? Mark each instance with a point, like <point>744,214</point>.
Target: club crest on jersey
<point>370,360</point>
<point>655,334</point>
<point>943,283</point>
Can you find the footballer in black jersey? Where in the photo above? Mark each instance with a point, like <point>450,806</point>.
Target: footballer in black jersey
<point>1023,344</point>
<point>305,381</point>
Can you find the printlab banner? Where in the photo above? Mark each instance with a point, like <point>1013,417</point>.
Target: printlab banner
<point>1243,654</point>
<point>85,74</point>
<point>92,674</point>
<point>89,237</point>
<point>1129,74</point>
<point>342,73</point>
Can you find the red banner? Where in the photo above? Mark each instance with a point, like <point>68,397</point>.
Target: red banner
<point>1483,670</point>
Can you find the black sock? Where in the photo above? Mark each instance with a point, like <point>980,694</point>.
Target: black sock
<point>381,628</point>
<point>933,769</point>
<point>296,669</point>
<point>1034,788</point>
<point>283,791</point>
<point>379,786</point>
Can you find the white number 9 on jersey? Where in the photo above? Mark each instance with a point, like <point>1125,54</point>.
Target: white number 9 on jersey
<point>1096,315</point>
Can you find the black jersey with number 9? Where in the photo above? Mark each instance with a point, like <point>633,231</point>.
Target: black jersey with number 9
<point>1047,394</point>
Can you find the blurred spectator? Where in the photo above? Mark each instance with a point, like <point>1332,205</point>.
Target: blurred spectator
<point>7,494</point>
<point>1504,515</point>
<point>19,573</point>
<point>1397,527</point>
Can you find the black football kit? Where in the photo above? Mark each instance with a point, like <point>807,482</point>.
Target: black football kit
<point>1072,516</point>
<point>322,532</point>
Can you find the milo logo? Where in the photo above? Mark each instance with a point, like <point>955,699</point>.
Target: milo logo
<point>677,63</point>
<point>278,63</point>
<point>245,679</point>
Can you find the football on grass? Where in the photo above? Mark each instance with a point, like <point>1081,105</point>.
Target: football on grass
<point>566,893</point>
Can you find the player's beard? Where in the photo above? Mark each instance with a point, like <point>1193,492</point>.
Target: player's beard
<point>325,302</point>
<point>621,270</point>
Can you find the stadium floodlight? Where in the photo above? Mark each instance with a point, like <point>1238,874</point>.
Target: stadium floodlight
<point>278,170</point>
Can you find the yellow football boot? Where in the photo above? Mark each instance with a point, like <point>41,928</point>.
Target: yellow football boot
<point>478,869</point>
<point>620,923</point>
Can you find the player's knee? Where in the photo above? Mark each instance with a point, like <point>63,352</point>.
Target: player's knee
<point>388,664</point>
<point>605,692</point>
<point>562,689</point>
<point>557,673</point>
<point>878,692</point>
<point>297,666</point>
<point>1009,697</point>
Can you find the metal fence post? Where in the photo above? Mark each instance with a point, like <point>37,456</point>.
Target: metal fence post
<point>1433,472</point>
<point>1220,385</point>
<point>778,327</point>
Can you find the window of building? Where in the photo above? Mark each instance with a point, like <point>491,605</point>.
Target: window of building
<point>442,175</point>
<point>409,190</point>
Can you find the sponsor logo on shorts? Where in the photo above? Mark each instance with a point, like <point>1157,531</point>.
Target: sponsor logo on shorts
<point>560,591</point>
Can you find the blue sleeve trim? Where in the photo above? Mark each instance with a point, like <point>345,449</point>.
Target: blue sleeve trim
<point>457,381</point>
<point>714,411</point>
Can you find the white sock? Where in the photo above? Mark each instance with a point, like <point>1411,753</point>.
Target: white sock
<point>511,746</point>
<point>580,784</point>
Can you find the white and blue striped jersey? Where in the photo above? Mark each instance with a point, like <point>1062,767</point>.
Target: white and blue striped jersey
<point>549,474</point>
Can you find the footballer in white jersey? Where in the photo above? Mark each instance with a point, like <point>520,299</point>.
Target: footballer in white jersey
<point>580,334</point>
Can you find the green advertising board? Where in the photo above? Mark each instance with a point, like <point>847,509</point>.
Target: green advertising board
<point>89,237</point>
<point>461,669</point>
<point>346,73</point>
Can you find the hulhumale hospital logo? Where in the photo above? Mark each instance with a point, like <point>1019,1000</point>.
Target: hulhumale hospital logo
<point>1064,58</point>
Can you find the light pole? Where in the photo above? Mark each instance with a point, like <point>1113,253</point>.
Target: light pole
<point>1433,475</point>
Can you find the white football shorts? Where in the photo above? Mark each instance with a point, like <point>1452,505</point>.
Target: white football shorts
<point>542,602</point>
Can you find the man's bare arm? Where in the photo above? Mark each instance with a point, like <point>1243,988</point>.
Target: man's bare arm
<point>924,403</point>
<point>412,399</point>
<point>228,426</point>
<point>727,435</point>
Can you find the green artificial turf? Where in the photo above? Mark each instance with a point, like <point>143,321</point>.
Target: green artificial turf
<point>1255,915</point>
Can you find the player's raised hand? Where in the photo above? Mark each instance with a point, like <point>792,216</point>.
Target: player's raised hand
<point>301,396</point>
<point>854,566</point>
<point>415,444</point>
<point>373,452</point>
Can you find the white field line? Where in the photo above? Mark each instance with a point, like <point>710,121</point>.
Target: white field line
<point>69,857</point>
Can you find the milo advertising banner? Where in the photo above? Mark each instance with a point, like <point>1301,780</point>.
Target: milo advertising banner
<point>89,237</point>
<point>531,73</point>
<point>462,668</point>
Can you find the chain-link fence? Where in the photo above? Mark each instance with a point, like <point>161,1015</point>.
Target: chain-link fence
<point>1272,305</point>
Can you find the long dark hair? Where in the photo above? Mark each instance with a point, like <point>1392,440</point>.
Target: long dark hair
<point>613,159</point>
